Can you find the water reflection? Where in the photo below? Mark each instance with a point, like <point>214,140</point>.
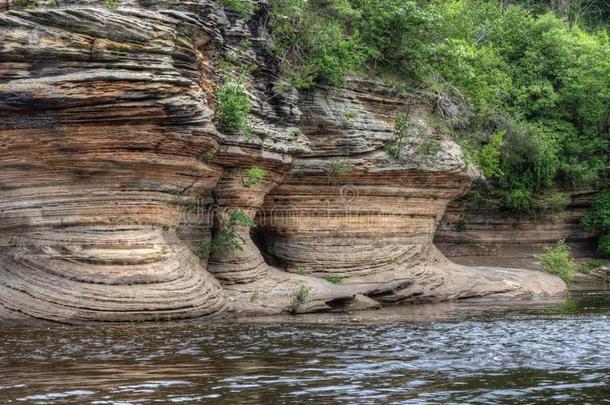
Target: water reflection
<point>477,353</point>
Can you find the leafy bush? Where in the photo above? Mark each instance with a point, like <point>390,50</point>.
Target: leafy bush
<point>598,219</point>
<point>299,297</point>
<point>529,92</point>
<point>430,147</point>
<point>519,199</point>
<point>603,245</point>
<point>558,261</point>
<point>112,4</point>
<point>333,278</point>
<point>401,128</point>
<point>234,106</point>
<point>338,167</point>
<point>25,3</point>
<point>228,237</point>
<point>252,176</point>
<point>243,7</point>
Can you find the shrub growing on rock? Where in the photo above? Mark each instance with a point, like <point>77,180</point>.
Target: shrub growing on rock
<point>299,297</point>
<point>599,220</point>
<point>558,261</point>
<point>112,4</point>
<point>25,3</point>
<point>252,176</point>
<point>228,238</point>
<point>234,106</point>
<point>243,7</point>
<point>333,279</point>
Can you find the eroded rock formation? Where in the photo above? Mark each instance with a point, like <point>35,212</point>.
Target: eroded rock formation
<point>475,235</point>
<point>112,172</point>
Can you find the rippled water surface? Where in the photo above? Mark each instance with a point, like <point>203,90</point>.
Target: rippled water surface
<point>471,353</point>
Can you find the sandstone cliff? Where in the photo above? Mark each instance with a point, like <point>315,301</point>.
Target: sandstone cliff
<point>113,171</point>
<point>475,235</point>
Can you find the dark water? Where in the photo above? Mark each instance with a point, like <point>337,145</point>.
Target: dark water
<point>471,353</point>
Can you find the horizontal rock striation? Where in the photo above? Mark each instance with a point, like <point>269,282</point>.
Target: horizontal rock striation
<point>113,176</point>
<point>469,235</point>
<point>370,218</point>
<point>104,116</point>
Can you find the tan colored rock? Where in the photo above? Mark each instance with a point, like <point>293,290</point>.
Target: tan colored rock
<point>484,236</point>
<point>112,175</point>
<point>103,118</point>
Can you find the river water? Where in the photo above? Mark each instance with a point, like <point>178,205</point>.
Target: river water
<point>543,352</point>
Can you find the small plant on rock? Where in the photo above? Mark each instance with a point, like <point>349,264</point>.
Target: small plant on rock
<point>255,296</point>
<point>252,176</point>
<point>558,261</point>
<point>338,168</point>
<point>299,297</point>
<point>234,106</point>
<point>401,126</point>
<point>349,119</point>
<point>430,147</point>
<point>208,156</point>
<point>28,4</point>
<point>589,266</point>
<point>229,238</point>
<point>242,7</point>
<point>333,278</point>
<point>112,4</point>
<point>460,226</point>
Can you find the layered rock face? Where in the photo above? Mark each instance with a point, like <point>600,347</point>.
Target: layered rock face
<point>104,116</point>
<point>349,209</point>
<point>113,173</point>
<point>469,235</point>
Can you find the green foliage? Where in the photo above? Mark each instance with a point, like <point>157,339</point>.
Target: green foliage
<point>519,199</point>
<point>243,7</point>
<point>228,237</point>
<point>112,4</point>
<point>489,159</point>
<point>459,226</point>
<point>349,119</point>
<point>558,261</point>
<point>525,92</point>
<point>252,176</point>
<point>603,244</point>
<point>589,266</point>
<point>28,4</point>
<point>333,278</point>
<point>598,219</point>
<point>255,296</point>
<point>401,128</point>
<point>299,297</point>
<point>393,150</point>
<point>430,147</point>
<point>234,106</point>
<point>338,167</point>
<point>208,156</point>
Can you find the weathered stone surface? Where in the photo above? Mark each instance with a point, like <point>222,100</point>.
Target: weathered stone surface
<point>484,236</point>
<point>112,175</point>
<point>103,117</point>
